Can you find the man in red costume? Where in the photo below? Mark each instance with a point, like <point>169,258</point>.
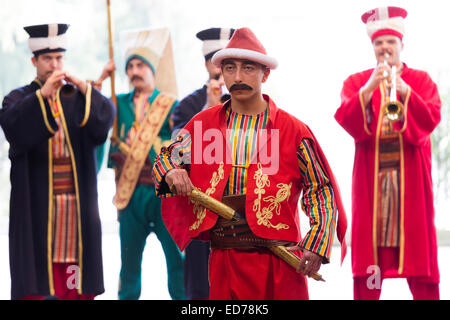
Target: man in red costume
<point>393,232</point>
<point>232,153</point>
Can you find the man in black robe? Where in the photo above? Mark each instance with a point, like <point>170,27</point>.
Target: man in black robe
<point>211,94</point>
<point>54,231</point>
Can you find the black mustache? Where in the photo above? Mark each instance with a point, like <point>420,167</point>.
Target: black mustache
<point>136,78</point>
<point>240,86</point>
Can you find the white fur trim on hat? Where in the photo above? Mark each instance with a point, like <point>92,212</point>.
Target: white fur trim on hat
<point>213,45</point>
<point>237,53</point>
<point>51,42</point>
<point>395,23</point>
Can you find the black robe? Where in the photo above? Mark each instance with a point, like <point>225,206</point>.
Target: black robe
<point>28,127</point>
<point>188,108</point>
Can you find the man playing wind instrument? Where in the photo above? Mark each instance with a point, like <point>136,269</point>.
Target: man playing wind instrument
<point>391,111</point>
<point>53,130</point>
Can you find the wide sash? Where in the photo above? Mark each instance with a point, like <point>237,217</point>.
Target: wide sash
<point>140,148</point>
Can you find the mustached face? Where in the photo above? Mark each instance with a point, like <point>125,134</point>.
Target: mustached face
<point>47,63</point>
<point>243,78</point>
<point>139,73</point>
<point>240,86</point>
<point>136,78</point>
<point>387,47</point>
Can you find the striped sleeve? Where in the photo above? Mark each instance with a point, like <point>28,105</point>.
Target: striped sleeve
<point>318,202</point>
<point>175,156</point>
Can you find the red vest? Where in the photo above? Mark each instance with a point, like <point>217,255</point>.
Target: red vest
<point>274,181</point>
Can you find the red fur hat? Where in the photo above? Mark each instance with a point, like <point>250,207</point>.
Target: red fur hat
<point>245,45</point>
<point>385,20</point>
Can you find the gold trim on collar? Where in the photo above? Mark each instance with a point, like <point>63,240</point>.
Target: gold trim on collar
<point>402,186</point>
<point>38,82</point>
<point>402,206</point>
<point>375,178</point>
<point>363,108</point>
<point>44,112</point>
<point>50,220</point>
<point>405,109</point>
<point>87,109</point>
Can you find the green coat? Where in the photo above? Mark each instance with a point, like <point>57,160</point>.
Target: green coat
<point>142,215</point>
<point>125,119</point>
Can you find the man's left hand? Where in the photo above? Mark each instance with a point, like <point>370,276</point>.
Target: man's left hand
<point>214,92</point>
<point>310,263</point>
<point>81,85</point>
<point>402,88</point>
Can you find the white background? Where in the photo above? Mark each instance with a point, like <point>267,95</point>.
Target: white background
<point>317,43</point>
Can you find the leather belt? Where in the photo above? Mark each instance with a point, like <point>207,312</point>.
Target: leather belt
<point>228,234</point>
<point>63,176</point>
<point>145,176</point>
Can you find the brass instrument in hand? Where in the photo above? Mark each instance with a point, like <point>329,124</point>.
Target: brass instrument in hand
<point>67,90</point>
<point>393,109</point>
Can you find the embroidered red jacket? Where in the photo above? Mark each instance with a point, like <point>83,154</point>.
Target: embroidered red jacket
<point>274,181</point>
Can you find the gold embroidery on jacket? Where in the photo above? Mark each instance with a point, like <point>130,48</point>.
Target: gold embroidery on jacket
<point>199,210</point>
<point>264,215</point>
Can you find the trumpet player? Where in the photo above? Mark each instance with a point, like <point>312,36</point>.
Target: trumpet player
<point>54,231</point>
<point>390,111</point>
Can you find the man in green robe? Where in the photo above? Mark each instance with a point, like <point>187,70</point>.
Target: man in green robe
<point>142,127</point>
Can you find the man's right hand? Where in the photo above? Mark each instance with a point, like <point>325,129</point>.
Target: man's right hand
<point>214,92</point>
<point>109,68</point>
<point>380,73</point>
<point>53,83</point>
<point>179,182</point>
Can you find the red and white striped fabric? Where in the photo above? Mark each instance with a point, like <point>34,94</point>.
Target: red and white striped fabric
<point>385,20</point>
<point>65,226</point>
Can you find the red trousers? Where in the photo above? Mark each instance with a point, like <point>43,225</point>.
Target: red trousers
<point>366,289</point>
<point>253,275</point>
<point>61,277</point>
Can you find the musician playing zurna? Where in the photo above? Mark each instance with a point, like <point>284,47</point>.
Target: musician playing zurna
<point>257,159</point>
<point>54,230</point>
<point>390,111</point>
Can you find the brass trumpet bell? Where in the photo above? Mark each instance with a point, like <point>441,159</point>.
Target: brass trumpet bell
<point>393,110</point>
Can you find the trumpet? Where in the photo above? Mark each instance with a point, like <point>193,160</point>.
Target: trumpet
<point>393,109</point>
<point>68,89</point>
